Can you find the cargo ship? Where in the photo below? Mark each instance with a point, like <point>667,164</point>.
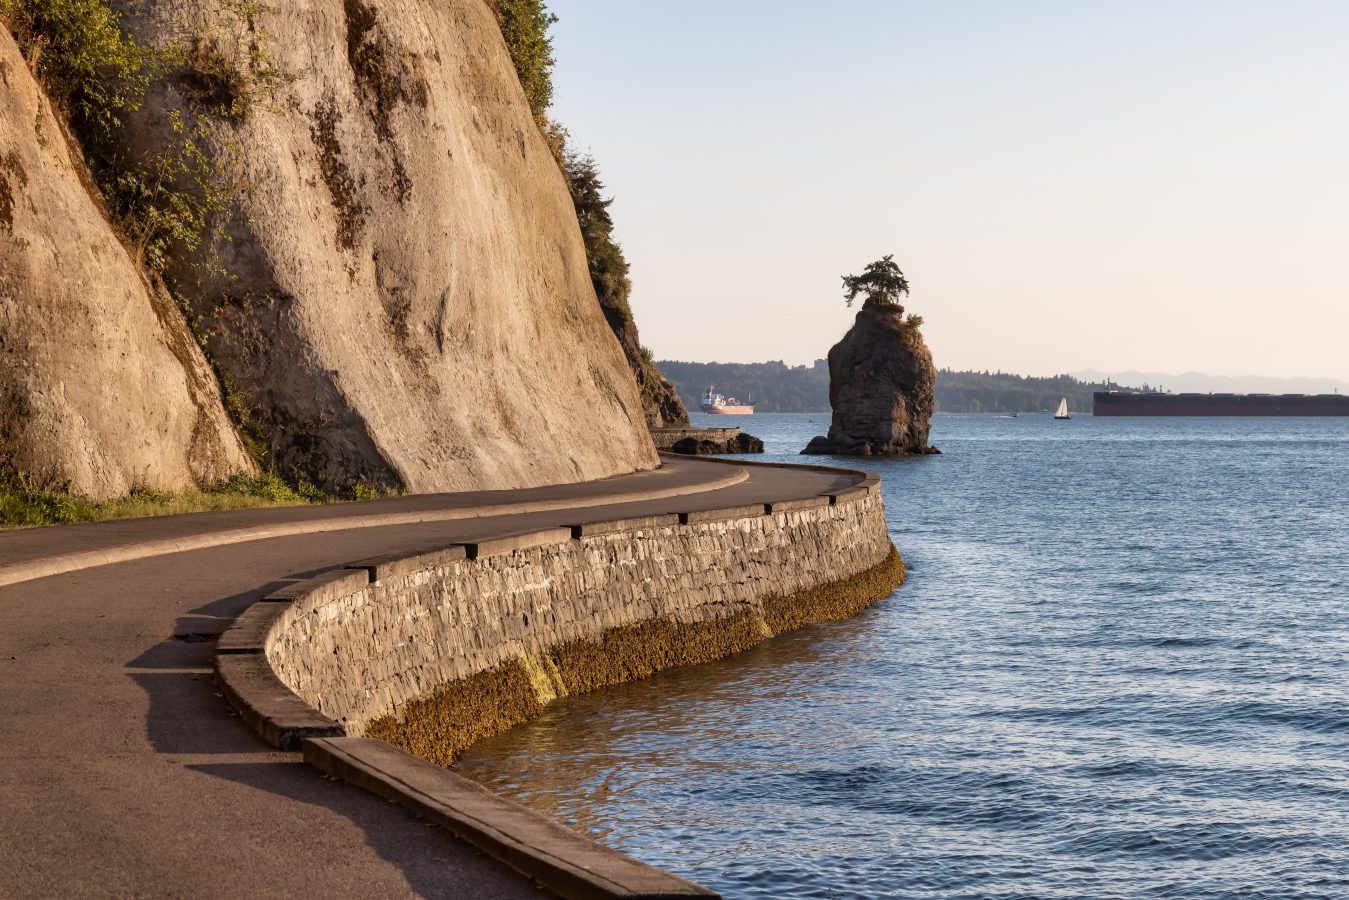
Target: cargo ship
<point>724,406</point>
<point>1156,403</point>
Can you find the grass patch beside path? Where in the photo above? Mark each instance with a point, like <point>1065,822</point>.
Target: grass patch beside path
<point>25,503</point>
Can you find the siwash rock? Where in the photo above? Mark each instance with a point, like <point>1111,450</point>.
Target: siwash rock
<point>102,387</point>
<point>410,304</point>
<point>881,384</point>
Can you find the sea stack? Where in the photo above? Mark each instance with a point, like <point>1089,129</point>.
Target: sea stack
<point>881,376</point>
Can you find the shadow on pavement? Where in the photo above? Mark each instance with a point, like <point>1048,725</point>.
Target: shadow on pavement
<point>434,861</point>
<point>188,715</point>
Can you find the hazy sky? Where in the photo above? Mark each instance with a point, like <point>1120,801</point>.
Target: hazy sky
<point>1069,185</point>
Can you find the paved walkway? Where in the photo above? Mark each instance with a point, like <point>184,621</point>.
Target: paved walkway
<point>123,773</point>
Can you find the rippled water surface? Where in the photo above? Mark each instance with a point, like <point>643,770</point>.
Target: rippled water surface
<point>1118,669</point>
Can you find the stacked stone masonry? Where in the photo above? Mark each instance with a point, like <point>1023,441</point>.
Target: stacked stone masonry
<point>358,654</point>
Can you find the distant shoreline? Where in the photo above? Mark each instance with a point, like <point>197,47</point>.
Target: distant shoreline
<point>777,387</point>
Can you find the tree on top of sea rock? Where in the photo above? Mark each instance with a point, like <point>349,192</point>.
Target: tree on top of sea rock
<point>881,282</point>
<point>881,376</point>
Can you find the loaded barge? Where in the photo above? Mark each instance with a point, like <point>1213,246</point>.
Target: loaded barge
<point>1153,403</point>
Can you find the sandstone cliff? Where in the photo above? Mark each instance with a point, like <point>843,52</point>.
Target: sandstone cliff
<point>661,404</point>
<point>408,302</point>
<point>102,387</point>
<point>881,386</point>
<point>609,275</point>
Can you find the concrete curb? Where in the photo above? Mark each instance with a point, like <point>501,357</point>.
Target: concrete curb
<point>323,586</point>
<point>703,516</point>
<point>394,564</point>
<point>248,633</point>
<point>561,860</point>
<point>523,541</point>
<point>869,482</point>
<point>60,564</point>
<point>808,467</point>
<point>591,529</point>
<point>804,503</point>
<point>268,706</point>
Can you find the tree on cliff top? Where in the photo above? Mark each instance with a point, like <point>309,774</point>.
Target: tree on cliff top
<point>882,282</point>
<point>608,267</point>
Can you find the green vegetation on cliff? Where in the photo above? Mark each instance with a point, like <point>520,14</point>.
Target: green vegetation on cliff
<point>163,204</point>
<point>524,25</point>
<point>97,75</point>
<point>25,502</point>
<point>881,283</point>
<point>608,266</point>
<point>77,48</point>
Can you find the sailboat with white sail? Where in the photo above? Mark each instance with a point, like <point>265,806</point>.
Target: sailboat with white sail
<point>1062,411</point>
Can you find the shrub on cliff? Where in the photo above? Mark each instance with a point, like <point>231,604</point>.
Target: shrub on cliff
<point>97,75</point>
<point>77,49</point>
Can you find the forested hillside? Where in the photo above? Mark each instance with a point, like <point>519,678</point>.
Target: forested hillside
<point>1001,392</point>
<point>774,385</point>
<point>778,387</point>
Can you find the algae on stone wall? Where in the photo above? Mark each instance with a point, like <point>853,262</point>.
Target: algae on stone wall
<point>836,600</point>
<point>638,651</point>
<point>441,727</point>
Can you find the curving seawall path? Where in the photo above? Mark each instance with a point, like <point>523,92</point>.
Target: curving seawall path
<point>126,772</point>
<point>360,649</point>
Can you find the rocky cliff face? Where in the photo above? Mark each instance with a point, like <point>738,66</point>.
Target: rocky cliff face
<point>408,302</point>
<point>661,404</point>
<point>102,387</point>
<point>660,399</point>
<point>881,384</point>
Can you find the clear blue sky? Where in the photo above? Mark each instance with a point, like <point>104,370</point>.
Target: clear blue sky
<point>1068,185</point>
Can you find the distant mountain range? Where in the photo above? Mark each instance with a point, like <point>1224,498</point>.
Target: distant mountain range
<point>1198,382</point>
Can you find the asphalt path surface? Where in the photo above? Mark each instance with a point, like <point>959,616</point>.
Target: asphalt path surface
<point>124,773</point>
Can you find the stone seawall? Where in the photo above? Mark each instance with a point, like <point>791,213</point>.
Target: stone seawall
<point>491,632</point>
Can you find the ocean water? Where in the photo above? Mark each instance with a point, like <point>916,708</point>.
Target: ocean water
<point>1120,668</point>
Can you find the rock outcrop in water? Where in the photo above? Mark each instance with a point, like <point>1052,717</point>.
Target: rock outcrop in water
<point>102,387</point>
<point>741,443</point>
<point>881,386</point>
